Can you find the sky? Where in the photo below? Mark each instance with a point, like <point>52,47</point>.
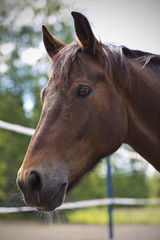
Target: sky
<point>135,24</point>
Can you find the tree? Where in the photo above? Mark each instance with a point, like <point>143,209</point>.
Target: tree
<point>154,185</point>
<point>127,181</point>
<point>92,186</point>
<point>130,182</point>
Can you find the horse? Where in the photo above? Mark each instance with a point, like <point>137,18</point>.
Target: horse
<point>98,97</point>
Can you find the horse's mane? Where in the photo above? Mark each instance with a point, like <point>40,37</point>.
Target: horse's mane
<point>148,59</point>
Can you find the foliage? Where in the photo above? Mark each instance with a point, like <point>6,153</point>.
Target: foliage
<point>92,186</point>
<point>130,184</point>
<point>154,185</point>
<point>127,182</point>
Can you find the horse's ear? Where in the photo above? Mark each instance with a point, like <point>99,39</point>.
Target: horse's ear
<point>51,43</point>
<point>84,32</point>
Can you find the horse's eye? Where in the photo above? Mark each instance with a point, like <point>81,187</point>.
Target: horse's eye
<point>84,91</point>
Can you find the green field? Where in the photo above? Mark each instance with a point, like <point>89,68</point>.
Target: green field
<point>145,215</point>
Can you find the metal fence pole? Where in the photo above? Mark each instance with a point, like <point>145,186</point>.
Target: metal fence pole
<point>109,192</point>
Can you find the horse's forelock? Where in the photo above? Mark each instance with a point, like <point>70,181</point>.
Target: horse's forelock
<point>62,62</point>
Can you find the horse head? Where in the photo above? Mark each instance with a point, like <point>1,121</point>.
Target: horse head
<point>83,118</point>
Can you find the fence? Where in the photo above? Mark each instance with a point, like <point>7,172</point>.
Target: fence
<point>90,203</point>
<point>30,132</point>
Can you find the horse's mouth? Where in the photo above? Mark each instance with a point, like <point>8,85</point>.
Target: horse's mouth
<point>48,204</point>
<point>56,201</point>
<point>58,198</point>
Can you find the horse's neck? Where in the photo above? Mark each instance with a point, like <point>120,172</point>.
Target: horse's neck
<point>143,109</point>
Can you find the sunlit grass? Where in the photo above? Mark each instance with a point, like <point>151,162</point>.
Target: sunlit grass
<point>99,215</point>
<point>90,215</point>
<point>137,215</point>
<point>120,216</point>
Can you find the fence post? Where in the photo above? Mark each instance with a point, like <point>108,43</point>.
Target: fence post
<point>109,192</point>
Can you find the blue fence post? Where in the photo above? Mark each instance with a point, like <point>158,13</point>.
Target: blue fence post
<point>109,191</point>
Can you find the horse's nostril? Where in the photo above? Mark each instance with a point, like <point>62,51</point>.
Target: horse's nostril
<point>34,182</point>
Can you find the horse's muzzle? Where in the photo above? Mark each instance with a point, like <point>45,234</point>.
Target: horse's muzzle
<point>43,194</point>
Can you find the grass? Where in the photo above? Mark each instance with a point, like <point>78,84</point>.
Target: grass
<point>145,215</point>
<point>98,215</point>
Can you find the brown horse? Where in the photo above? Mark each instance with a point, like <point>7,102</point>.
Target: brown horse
<point>98,97</point>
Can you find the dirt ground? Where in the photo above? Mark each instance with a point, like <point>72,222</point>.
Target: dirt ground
<point>39,231</point>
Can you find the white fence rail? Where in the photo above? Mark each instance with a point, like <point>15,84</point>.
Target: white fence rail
<point>90,203</point>
<point>16,128</point>
<point>30,132</point>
